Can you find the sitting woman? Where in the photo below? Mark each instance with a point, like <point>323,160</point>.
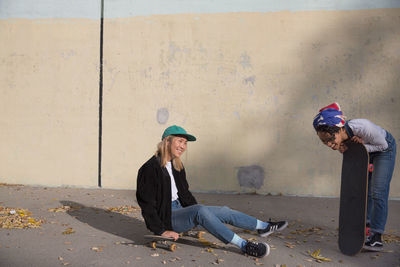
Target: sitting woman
<point>169,208</point>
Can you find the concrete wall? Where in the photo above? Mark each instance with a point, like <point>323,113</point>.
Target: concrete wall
<point>246,80</point>
<point>48,96</point>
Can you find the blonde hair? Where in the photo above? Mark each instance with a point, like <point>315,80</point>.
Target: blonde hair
<point>164,150</point>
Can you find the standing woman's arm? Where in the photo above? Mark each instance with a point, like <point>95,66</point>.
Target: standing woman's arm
<point>373,136</point>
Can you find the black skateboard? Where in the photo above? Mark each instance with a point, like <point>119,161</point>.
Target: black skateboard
<point>353,198</point>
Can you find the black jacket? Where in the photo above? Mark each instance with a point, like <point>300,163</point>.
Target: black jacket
<point>153,193</point>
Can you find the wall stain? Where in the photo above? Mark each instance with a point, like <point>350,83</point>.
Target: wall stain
<point>162,115</point>
<point>251,176</point>
<point>237,114</point>
<point>173,49</point>
<point>245,60</point>
<point>250,80</point>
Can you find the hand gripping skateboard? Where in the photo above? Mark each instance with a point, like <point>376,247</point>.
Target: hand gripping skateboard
<point>168,242</point>
<point>353,198</point>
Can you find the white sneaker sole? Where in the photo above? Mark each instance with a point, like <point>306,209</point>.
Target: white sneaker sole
<point>268,249</point>
<point>369,248</point>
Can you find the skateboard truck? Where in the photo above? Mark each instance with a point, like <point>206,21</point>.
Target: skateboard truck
<point>167,242</point>
<point>163,244</point>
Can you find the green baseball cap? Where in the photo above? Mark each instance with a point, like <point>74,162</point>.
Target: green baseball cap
<point>177,130</point>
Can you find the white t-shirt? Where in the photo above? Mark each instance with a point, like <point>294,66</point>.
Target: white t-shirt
<point>174,190</point>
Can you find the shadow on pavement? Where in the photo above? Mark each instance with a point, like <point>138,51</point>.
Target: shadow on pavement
<point>107,221</point>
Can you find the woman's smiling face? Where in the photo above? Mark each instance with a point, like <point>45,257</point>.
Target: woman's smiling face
<point>333,140</point>
<point>178,146</point>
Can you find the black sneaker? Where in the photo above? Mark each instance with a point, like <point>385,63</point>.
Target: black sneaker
<point>255,249</point>
<point>374,242</point>
<point>272,227</point>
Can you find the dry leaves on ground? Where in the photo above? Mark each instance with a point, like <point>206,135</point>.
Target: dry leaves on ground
<point>64,209</point>
<point>391,238</point>
<point>125,210</point>
<point>11,218</point>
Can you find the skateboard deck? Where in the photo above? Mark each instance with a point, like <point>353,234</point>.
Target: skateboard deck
<point>353,198</point>
<point>168,242</point>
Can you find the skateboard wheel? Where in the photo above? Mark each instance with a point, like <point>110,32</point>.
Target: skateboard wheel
<point>172,247</point>
<point>153,244</point>
<point>200,234</point>
<point>371,167</point>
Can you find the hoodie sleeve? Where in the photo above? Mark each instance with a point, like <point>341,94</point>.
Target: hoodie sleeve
<point>374,137</point>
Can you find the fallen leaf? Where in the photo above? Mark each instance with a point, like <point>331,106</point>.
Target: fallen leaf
<point>290,245</point>
<point>209,250</point>
<point>68,231</point>
<point>97,249</point>
<point>316,255</point>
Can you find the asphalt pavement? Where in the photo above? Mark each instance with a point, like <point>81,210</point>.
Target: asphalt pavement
<point>103,227</point>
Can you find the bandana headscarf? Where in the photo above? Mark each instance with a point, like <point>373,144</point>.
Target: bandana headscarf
<point>330,115</point>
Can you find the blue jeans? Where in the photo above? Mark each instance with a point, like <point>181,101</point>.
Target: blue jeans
<point>212,218</point>
<point>379,185</point>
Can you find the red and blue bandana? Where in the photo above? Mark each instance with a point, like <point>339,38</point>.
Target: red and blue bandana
<point>330,115</point>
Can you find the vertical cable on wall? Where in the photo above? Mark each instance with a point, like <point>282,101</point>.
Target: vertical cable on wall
<point>101,90</point>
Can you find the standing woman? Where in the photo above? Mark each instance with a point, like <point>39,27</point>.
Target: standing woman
<point>381,146</point>
<point>169,208</point>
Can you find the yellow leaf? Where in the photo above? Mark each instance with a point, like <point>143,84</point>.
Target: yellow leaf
<point>68,231</point>
<point>316,255</point>
<point>209,250</point>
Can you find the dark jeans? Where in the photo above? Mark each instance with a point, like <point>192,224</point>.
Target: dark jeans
<point>379,185</point>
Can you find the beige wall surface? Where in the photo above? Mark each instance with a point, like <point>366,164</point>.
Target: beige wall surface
<point>49,101</point>
<point>248,86</point>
